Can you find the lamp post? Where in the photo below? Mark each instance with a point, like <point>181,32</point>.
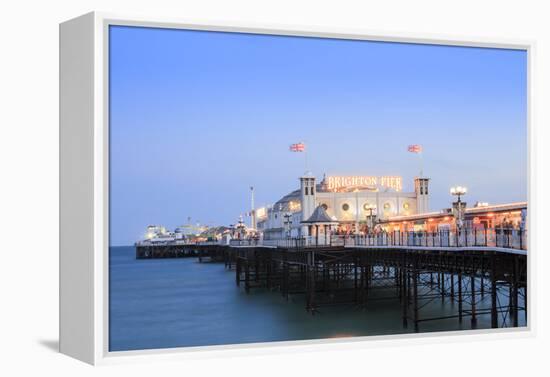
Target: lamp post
<point>459,205</point>
<point>288,223</point>
<point>369,207</point>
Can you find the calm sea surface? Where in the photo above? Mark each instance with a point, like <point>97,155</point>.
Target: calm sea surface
<point>165,303</point>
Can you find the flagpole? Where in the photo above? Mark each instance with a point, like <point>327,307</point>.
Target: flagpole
<point>300,147</point>
<point>421,165</point>
<point>305,155</point>
<point>417,148</point>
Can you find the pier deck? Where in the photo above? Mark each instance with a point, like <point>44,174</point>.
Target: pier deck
<point>477,280</point>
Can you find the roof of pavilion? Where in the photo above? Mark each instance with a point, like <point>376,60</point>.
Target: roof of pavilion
<point>320,216</point>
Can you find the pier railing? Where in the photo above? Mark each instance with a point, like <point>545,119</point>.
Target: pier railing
<point>283,242</point>
<point>494,237</point>
<point>505,238</point>
<point>245,242</point>
<point>164,242</point>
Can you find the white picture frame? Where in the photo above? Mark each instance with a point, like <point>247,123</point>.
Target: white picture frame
<point>84,186</point>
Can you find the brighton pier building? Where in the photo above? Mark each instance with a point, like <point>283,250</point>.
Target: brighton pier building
<point>341,205</point>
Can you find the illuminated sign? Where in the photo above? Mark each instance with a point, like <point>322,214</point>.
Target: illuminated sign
<point>351,182</point>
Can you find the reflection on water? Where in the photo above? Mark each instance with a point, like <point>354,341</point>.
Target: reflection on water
<point>165,303</point>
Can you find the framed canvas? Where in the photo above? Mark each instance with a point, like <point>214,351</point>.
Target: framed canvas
<point>234,188</point>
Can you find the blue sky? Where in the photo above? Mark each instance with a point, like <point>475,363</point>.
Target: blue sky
<point>197,117</point>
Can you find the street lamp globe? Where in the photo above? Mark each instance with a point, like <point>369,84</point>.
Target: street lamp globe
<point>458,191</point>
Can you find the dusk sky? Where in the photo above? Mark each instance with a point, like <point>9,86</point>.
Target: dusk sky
<point>197,117</point>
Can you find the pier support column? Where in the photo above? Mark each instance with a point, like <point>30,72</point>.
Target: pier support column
<point>370,274</point>
<point>247,276</point>
<point>310,281</point>
<point>515,289</point>
<point>415,293</point>
<point>398,282</point>
<point>355,279</point>
<point>286,278</point>
<point>473,295</point>
<point>238,271</point>
<point>256,265</point>
<point>459,295</point>
<point>452,275</point>
<point>510,295</point>
<point>405,296</point>
<point>363,285</point>
<point>481,279</point>
<point>268,272</point>
<point>326,281</point>
<point>494,312</point>
<point>442,282</point>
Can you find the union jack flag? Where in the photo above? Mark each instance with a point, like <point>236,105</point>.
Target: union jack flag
<point>297,147</point>
<point>415,148</point>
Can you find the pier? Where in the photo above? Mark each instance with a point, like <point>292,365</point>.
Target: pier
<point>485,278</point>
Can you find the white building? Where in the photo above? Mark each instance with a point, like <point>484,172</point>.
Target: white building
<point>353,203</point>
